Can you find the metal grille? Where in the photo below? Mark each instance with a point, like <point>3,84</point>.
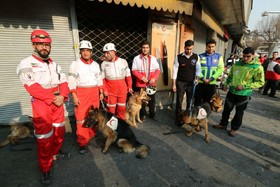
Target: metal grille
<point>102,23</point>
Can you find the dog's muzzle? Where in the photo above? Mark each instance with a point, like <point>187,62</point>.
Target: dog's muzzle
<point>89,123</point>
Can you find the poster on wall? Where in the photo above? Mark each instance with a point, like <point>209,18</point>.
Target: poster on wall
<point>186,34</point>
<point>163,48</point>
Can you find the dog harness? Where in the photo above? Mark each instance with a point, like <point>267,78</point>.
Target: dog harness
<point>202,114</point>
<point>113,123</point>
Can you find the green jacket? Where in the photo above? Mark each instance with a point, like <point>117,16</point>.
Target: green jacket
<point>249,75</point>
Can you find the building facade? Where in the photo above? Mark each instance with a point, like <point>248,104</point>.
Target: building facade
<point>123,22</point>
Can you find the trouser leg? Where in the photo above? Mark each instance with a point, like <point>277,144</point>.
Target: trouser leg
<point>152,104</point>
<point>228,106</point>
<point>43,133</point>
<point>121,107</point>
<point>240,108</point>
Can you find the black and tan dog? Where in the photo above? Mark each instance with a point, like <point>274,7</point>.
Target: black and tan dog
<point>216,103</point>
<point>195,118</point>
<point>134,106</point>
<point>115,130</point>
<point>18,132</point>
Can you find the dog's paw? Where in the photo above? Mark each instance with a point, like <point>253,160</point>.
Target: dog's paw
<point>139,121</point>
<point>104,151</point>
<point>189,133</point>
<point>207,140</point>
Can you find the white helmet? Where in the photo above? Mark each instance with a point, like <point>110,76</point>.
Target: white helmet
<point>151,90</point>
<point>84,44</point>
<point>109,47</point>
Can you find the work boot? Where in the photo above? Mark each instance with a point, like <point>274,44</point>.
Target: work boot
<point>46,177</point>
<point>83,150</point>
<point>62,156</point>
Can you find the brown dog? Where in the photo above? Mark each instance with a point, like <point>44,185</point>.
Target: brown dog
<point>196,117</point>
<point>115,130</point>
<point>134,106</point>
<point>216,103</point>
<point>18,132</point>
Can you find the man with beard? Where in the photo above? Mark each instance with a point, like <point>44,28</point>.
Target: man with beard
<point>85,83</point>
<point>47,85</point>
<point>146,70</point>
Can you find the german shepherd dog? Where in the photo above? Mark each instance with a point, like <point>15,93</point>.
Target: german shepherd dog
<point>122,133</point>
<point>195,117</point>
<point>134,106</point>
<point>18,132</point>
<point>216,103</point>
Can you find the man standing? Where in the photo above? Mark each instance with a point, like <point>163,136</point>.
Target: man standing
<point>47,85</point>
<point>244,76</point>
<point>212,67</point>
<point>146,70</point>
<point>271,76</point>
<point>117,81</point>
<point>85,83</point>
<point>186,71</point>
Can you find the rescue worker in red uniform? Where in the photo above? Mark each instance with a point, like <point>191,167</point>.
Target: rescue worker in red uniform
<point>272,79</point>
<point>47,85</point>
<point>116,80</point>
<point>146,70</point>
<point>85,83</point>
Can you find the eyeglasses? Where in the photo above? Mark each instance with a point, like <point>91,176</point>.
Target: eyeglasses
<point>46,45</point>
<point>247,56</point>
<point>42,36</point>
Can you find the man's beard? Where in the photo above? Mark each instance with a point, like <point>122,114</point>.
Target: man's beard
<point>43,54</point>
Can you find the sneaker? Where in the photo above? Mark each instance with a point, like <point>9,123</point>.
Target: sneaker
<point>232,133</point>
<point>219,126</point>
<point>83,150</point>
<point>46,177</point>
<point>272,96</point>
<point>62,156</point>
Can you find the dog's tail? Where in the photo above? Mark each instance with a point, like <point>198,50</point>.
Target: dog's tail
<point>142,151</point>
<point>4,143</point>
<point>127,147</point>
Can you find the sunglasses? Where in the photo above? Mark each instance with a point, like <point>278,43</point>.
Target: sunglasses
<point>42,36</point>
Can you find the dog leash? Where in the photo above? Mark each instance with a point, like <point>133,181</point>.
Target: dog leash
<point>193,92</point>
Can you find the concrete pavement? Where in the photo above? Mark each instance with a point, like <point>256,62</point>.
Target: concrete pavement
<point>250,159</point>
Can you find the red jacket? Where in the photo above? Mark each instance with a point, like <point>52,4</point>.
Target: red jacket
<point>270,74</point>
<point>139,70</point>
<point>116,77</point>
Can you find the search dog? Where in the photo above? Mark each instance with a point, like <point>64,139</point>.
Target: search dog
<point>134,106</point>
<point>216,103</point>
<point>115,130</point>
<point>18,132</point>
<point>195,118</point>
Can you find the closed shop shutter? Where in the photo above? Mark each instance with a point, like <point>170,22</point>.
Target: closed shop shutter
<point>17,20</point>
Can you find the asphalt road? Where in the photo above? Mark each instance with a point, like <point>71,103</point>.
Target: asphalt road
<point>252,158</point>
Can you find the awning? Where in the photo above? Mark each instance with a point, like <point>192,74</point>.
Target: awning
<point>181,6</point>
<point>209,20</point>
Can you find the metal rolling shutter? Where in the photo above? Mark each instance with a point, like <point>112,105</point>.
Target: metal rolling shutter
<point>17,20</point>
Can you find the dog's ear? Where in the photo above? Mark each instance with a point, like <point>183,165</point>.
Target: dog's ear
<point>141,90</point>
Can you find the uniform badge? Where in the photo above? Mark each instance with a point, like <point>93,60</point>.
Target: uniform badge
<point>28,76</point>
<point>193,61</point>
<point>215,61</point>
